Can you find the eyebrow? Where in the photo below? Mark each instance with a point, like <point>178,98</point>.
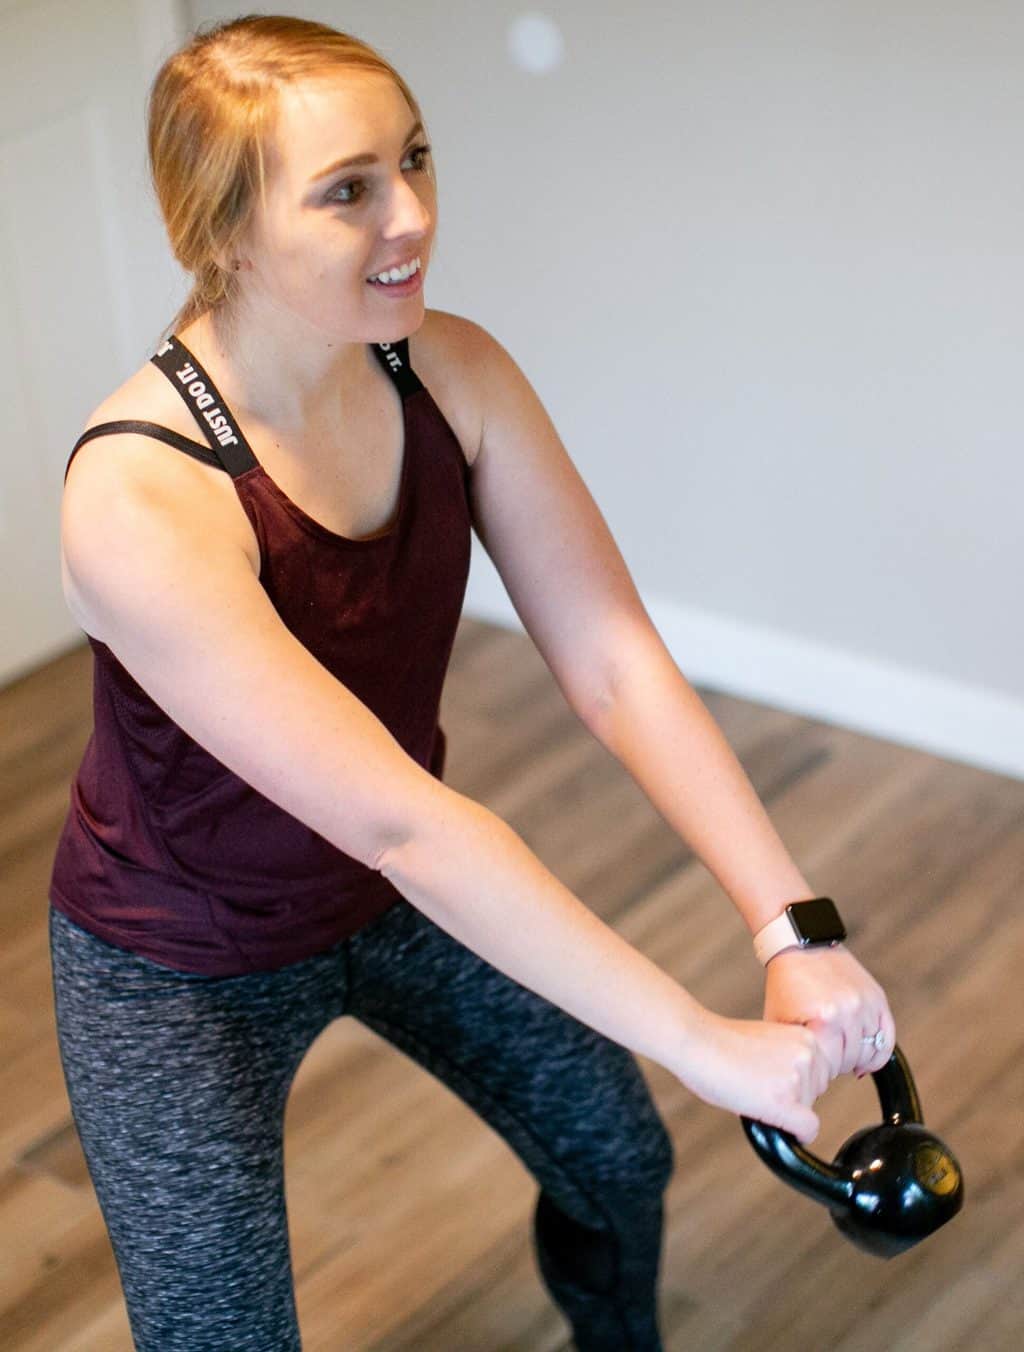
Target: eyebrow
<point>361,159</point>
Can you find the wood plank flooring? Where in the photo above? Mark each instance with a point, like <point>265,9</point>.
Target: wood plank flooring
<point>410,1216</point>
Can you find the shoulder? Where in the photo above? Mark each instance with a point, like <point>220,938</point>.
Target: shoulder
<point>146,396</point>
<point>451,354</point>
<point>116,469</point>
<point>145,461</point>
<point>456,335</point>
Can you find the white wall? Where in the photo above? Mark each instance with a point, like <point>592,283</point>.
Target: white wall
<point>763,265</point>
<point>84,271</point>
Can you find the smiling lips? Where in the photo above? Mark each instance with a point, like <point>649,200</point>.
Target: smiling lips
<point>398,272</point>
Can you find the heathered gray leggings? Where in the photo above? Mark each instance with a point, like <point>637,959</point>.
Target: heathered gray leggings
<point>178,1085</point>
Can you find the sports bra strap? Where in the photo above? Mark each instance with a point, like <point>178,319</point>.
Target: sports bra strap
<point>148,429</point>
<point>210,409</point>
<point>201,395</point>
<point>230,450</point>
<point>394,357</point>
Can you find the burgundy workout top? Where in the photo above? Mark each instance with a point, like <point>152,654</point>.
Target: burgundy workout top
<point>164,850</point>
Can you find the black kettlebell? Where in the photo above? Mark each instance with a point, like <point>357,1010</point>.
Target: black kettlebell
<point>890,1186</point>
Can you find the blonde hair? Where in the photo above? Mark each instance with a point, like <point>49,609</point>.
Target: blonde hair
<point>210,116</point>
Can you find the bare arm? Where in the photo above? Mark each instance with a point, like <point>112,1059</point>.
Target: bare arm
<point>656,724</point>
<point>158,576</point>
<point>475,877</point>
<point>173,595</point>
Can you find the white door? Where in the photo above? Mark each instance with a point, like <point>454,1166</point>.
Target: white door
<point>86,277</point>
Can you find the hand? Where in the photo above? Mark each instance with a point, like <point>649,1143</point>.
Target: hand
<point>828,991</point>
<point>771,1072</point>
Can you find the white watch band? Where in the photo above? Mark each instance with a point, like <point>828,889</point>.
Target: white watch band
<point>777,935</point>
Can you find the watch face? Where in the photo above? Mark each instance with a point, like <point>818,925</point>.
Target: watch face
<point>817,921</point>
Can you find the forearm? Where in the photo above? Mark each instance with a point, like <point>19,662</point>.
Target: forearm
<point>478,880</point>
<point>659,728</point>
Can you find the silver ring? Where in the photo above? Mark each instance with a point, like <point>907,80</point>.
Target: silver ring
<point>877,1038</point>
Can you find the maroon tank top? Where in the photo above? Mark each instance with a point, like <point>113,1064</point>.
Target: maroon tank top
<point>164,850</point>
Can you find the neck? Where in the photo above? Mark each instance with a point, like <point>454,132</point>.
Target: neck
<point>291,384</point>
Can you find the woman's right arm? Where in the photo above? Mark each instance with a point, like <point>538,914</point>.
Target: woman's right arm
<point>174,596</point>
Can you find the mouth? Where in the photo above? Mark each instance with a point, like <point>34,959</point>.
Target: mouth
<point>402,288</point>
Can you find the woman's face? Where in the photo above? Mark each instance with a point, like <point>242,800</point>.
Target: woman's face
<point>323,234</point>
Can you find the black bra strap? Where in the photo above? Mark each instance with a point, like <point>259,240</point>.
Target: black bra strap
<point>394,357</point>
<point>192,382</point>
<point>148,429</point>
<point>201,395</point>
<point>230,450</point>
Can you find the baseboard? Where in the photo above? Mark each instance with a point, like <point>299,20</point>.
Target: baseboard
<point>947,718</point>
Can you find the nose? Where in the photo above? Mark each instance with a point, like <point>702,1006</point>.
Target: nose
<point>409,214</point>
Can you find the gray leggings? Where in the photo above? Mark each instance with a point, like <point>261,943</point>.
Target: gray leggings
<point>178,1084</point>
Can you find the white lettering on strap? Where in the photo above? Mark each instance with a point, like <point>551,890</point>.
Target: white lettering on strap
<point>215,419</point>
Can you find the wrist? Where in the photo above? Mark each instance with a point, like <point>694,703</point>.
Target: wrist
<point>806,950</point>
<point>758,913</point>
<point>813,923</point>
<point>689,1037</point>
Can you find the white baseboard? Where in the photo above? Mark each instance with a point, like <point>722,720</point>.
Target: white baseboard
<point>947,718</point>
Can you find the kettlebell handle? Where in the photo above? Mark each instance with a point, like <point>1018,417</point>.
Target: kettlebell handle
<point>802,1169</point>
<point>897,1092</point>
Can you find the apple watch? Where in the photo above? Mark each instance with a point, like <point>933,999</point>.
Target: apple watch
<point>803,924</point>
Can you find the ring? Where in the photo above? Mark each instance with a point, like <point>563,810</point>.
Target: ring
<point>877,1038</point>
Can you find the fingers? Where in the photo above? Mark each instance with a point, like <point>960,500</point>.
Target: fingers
<point>804,1123</point>
<point>838,1047</point>
<point>848,1033</point>
<point>810,1078</point>
<point>798,1119</point>
<point>876,1051</point>
<point>823,1069</point>
<point>832,1042</point>
<point>812,1069</point>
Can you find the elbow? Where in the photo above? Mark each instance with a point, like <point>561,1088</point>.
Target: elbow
<point>433,815</point>
<point>623,650</point>
<point>443,834</point>
<point>383,849</point>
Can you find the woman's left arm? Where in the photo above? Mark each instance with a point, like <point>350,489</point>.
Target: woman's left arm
<point>571,588</point>
<point>659,728</point>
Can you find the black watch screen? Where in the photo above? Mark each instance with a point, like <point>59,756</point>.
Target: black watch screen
<point>817,921</point>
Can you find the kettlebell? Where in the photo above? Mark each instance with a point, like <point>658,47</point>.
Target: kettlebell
<point>889,1186</point>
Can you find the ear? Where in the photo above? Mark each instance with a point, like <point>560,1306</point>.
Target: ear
<point>233,257</point>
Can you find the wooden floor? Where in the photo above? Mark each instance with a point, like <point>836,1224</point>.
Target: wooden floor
<point>409,1215</point>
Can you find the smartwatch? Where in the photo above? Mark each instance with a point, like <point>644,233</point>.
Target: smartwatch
<point>803,924</point>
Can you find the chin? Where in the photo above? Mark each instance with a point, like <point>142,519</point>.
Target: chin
<point>403,327</point>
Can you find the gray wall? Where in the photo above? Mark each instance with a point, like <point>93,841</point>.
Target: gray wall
<point>763,265</point>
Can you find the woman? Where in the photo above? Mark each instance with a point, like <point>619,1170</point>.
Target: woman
<point>260,839</point>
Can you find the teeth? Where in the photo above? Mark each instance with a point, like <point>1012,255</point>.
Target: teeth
<point>397,274</point>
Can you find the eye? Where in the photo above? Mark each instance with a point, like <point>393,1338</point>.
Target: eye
<point>423,152</point>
